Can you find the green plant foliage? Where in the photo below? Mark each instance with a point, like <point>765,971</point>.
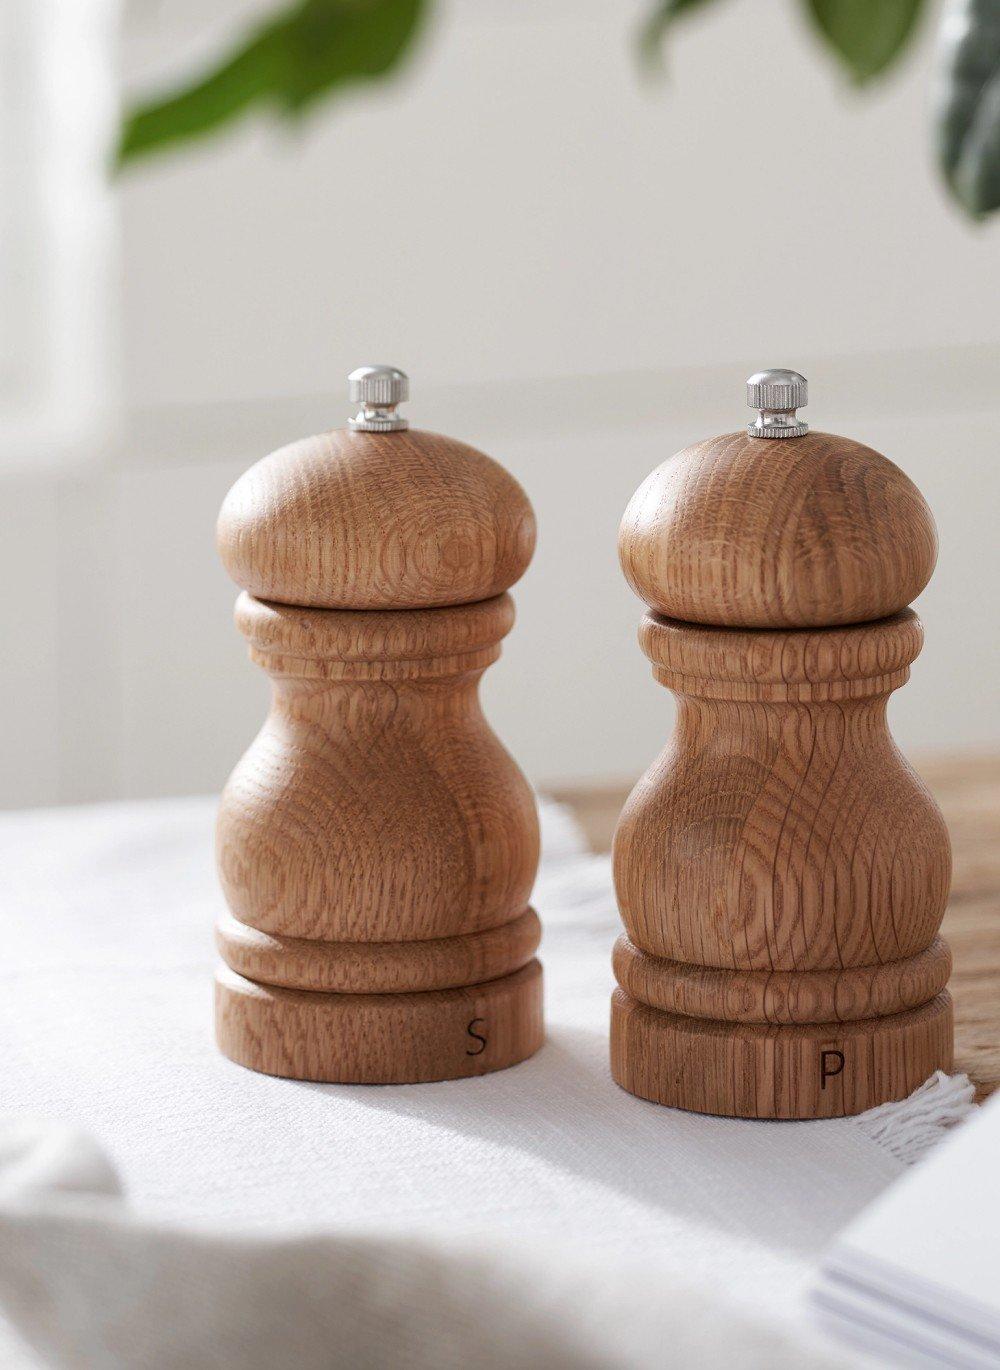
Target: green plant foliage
<point>655,25</point>
<point>967,114</point>
<point>308,50</point>
<point>311,49</point>
<point>866,35</point>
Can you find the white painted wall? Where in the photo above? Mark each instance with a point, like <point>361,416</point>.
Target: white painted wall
<point>524,205</point>
<point>578,272</point>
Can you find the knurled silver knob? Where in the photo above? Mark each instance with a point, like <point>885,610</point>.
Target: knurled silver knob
<point>776,394</point>
<point>378,389</point>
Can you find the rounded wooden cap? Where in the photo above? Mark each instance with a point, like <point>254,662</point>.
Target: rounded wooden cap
<point>806,532</point>
<point>366,520</point>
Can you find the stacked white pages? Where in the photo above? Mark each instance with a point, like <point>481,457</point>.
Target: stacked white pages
<point>915,1280</point>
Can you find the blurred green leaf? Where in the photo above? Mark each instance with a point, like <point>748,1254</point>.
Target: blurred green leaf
<point>867,35</point>
<point>967,107</point>
<point>655,25</point>
<point>307,51</point>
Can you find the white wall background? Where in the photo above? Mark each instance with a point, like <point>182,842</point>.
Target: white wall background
<point>578,270</point>
<point>524,205</point>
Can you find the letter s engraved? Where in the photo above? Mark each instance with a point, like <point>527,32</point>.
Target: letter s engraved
<point>477,1036</point>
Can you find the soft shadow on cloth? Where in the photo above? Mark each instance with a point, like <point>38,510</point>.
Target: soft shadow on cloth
<point>631,1146</point>
<point>92,1287</point>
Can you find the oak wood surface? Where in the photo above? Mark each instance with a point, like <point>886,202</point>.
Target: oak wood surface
<point>811,1070</point>
<point>376,844</point>
<point>781,836</point>
<point>780,833</point>
<point>380,1038</point>
<point>967,789</point>
<point>402,520</point>
<point>791,996</point>
<point>376,804</point>
<point>378,967</point>
<point>780,829</point>
<point>810,531</point>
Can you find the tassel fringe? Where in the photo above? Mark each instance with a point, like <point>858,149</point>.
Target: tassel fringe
<point>910,1127</point>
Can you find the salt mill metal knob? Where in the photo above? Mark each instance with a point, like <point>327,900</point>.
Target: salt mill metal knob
<point>780,870</point>
<point>378,389</point>
<point>776,394</point>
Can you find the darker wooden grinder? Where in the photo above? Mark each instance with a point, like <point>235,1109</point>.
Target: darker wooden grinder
<point>377,845</point>
<point>780,870</point>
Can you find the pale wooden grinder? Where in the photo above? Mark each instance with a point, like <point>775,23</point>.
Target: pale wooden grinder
<point>377,845</point>
<point>781,871</point>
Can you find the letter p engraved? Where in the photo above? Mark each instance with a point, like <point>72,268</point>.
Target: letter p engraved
<point>477,1036</point>
<point>831,1063</point>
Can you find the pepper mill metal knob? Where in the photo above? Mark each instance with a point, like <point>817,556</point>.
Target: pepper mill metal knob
<point>377,845</point>
<point>780,870</point>
<point>776,394</point>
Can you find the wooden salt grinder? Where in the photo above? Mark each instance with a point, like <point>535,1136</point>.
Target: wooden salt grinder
<point>377,845</point>
<point>781,871</point>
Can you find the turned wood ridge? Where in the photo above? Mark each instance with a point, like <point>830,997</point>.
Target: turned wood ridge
<point>781,871</point>
<point>377,845</point>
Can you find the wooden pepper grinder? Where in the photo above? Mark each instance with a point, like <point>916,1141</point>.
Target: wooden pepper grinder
<point>781,871</point>
<point>377,845</point>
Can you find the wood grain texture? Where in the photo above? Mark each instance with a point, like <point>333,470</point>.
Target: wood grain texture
<point>378,967</point>
<point>812,531</point>
<point>777,997</point>
<point>349,520</point>
<point>781,830</point>
<point>380,1038</point>
<point>377,844</point>
<point>819,1070</point>
<point>376,804</point>
<point>781,871</point>
<point>967,789</point>
<point>780,865</point>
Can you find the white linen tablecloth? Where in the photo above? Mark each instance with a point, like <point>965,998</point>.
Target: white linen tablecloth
<point>539,1214</point>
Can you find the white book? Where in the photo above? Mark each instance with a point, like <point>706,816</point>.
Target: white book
<point>916,1278</point>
